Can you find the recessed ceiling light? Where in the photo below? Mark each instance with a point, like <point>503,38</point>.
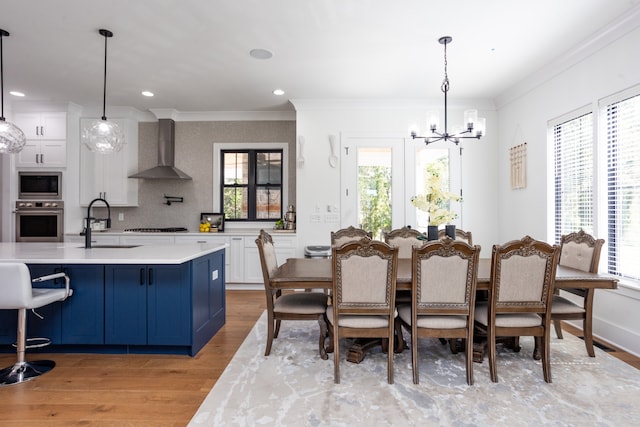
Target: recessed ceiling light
<point>147,93</point>
<point>278,92</point>
<point>16,93</point>
<point>260,54</point>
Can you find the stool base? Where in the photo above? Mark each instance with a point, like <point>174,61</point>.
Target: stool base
<point>25,371</point>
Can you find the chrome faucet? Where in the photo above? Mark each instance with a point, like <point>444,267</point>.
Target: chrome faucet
<point>87,233</point>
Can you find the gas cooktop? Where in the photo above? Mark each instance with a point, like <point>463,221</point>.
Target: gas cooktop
<point>156,230</point>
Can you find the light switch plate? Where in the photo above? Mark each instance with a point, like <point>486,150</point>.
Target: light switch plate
<point>331,218</point>
<point>315,218</point>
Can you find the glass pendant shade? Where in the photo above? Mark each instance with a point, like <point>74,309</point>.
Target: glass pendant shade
<point>103,137</point>
<point>12,139</point>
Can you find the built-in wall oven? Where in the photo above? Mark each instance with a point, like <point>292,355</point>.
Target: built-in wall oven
<point>39,221</point>
<point>39,185</point>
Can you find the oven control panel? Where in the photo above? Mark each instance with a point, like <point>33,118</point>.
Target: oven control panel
<point>39,205</point>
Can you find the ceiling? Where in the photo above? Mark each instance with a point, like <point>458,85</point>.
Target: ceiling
<point>194,54</point>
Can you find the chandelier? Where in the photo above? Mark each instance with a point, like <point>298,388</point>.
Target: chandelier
<point>475,127</point>
<point>103,136</point>
<point>12,139</point>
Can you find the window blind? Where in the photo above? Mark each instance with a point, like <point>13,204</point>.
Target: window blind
<point>623,187</point>
<point>573,166</point>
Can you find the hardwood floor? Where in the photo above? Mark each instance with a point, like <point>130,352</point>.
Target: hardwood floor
<point>136,390</point>
<point>140,390</point>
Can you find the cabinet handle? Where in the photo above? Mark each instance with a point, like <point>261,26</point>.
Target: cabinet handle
<point>201,241</point>
<point>37,158</point>
<point>142,277</point>
<point>236,238</point>
<point>38,130</point>
<point>150,276</point>
<point>42,158</point>
<point>41,130</point>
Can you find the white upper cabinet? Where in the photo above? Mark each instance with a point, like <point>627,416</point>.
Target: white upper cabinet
<point>46,135</point>
<point>106,175</point>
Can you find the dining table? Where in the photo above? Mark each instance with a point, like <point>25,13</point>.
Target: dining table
<point>317,273</point>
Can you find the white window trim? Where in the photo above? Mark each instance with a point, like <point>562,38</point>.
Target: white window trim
<point>218,147</point>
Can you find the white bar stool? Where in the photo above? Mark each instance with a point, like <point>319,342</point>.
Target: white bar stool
<point>16,293</point>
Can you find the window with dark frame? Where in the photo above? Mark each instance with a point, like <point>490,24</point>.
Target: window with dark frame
<point>251,182</point>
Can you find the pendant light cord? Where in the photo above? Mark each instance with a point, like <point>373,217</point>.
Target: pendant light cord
<point>104,87</point>
<point>2,34</point>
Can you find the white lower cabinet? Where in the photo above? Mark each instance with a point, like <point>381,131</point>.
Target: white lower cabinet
<point>285,246</point>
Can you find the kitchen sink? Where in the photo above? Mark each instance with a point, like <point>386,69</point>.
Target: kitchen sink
<point>112,246</point>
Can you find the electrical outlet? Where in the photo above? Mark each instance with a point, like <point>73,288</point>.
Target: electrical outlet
<point>315,218</point>
<point>331,218</point>
<point>121,216</point>
<point>214,274</point>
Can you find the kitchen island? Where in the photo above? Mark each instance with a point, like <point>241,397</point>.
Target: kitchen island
<point>126,298</point>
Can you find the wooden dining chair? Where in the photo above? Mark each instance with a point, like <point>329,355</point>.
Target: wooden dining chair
<point>582,252</point>
<point>522,281</point>
<point>405,239</point>
<point>442,296</point>
<point>288,306</point>
<point>364,290</point>
<point>465,236</point>
<point>349,234</point>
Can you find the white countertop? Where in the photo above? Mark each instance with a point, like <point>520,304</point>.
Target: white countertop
<point>228,231</point>
<point>74,253</point>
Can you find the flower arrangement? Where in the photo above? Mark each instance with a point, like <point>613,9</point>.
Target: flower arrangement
<point>435,200</point>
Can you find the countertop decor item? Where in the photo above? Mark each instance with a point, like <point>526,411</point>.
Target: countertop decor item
<point>12,139</point>
<point>103,136</point>
<point>215,221</point>
<point>475,127</point>
<point>435,201</point>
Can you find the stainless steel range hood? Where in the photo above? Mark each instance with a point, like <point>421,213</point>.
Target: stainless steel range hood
<point>166,155</point>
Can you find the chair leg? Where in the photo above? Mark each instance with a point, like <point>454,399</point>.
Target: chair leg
<point>492,355</point>
<point>270,333</point>
<point>277,330</point>
<point>22,370</point>
<point>469,356</point>
<point>557,325</point>
<point>336,355</point>
<point>414,355</point>
<point>390,355</point>
<point>323,335</point>
<point>546,363</point>
<point>587,332</point>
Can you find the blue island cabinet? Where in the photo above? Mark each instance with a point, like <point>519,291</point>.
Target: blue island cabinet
<point>147,305</point>
<point>78,320</point>
<point>208,299</point>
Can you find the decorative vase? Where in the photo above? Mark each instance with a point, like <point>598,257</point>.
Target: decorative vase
<point>432,232</point>
<point>450,230</point>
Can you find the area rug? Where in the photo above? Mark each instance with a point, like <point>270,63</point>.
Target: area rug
<point>294,387</point>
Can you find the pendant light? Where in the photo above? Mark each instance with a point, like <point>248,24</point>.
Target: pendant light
<point>103,136</point>
<point>12,139</point>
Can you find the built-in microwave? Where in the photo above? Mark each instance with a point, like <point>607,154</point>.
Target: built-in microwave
<point>40,185</point>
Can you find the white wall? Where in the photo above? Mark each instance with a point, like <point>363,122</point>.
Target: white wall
<point>609,68</point>
<point>319,185</point>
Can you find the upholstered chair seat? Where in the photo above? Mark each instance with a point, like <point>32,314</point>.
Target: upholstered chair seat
<point>301,303</point>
